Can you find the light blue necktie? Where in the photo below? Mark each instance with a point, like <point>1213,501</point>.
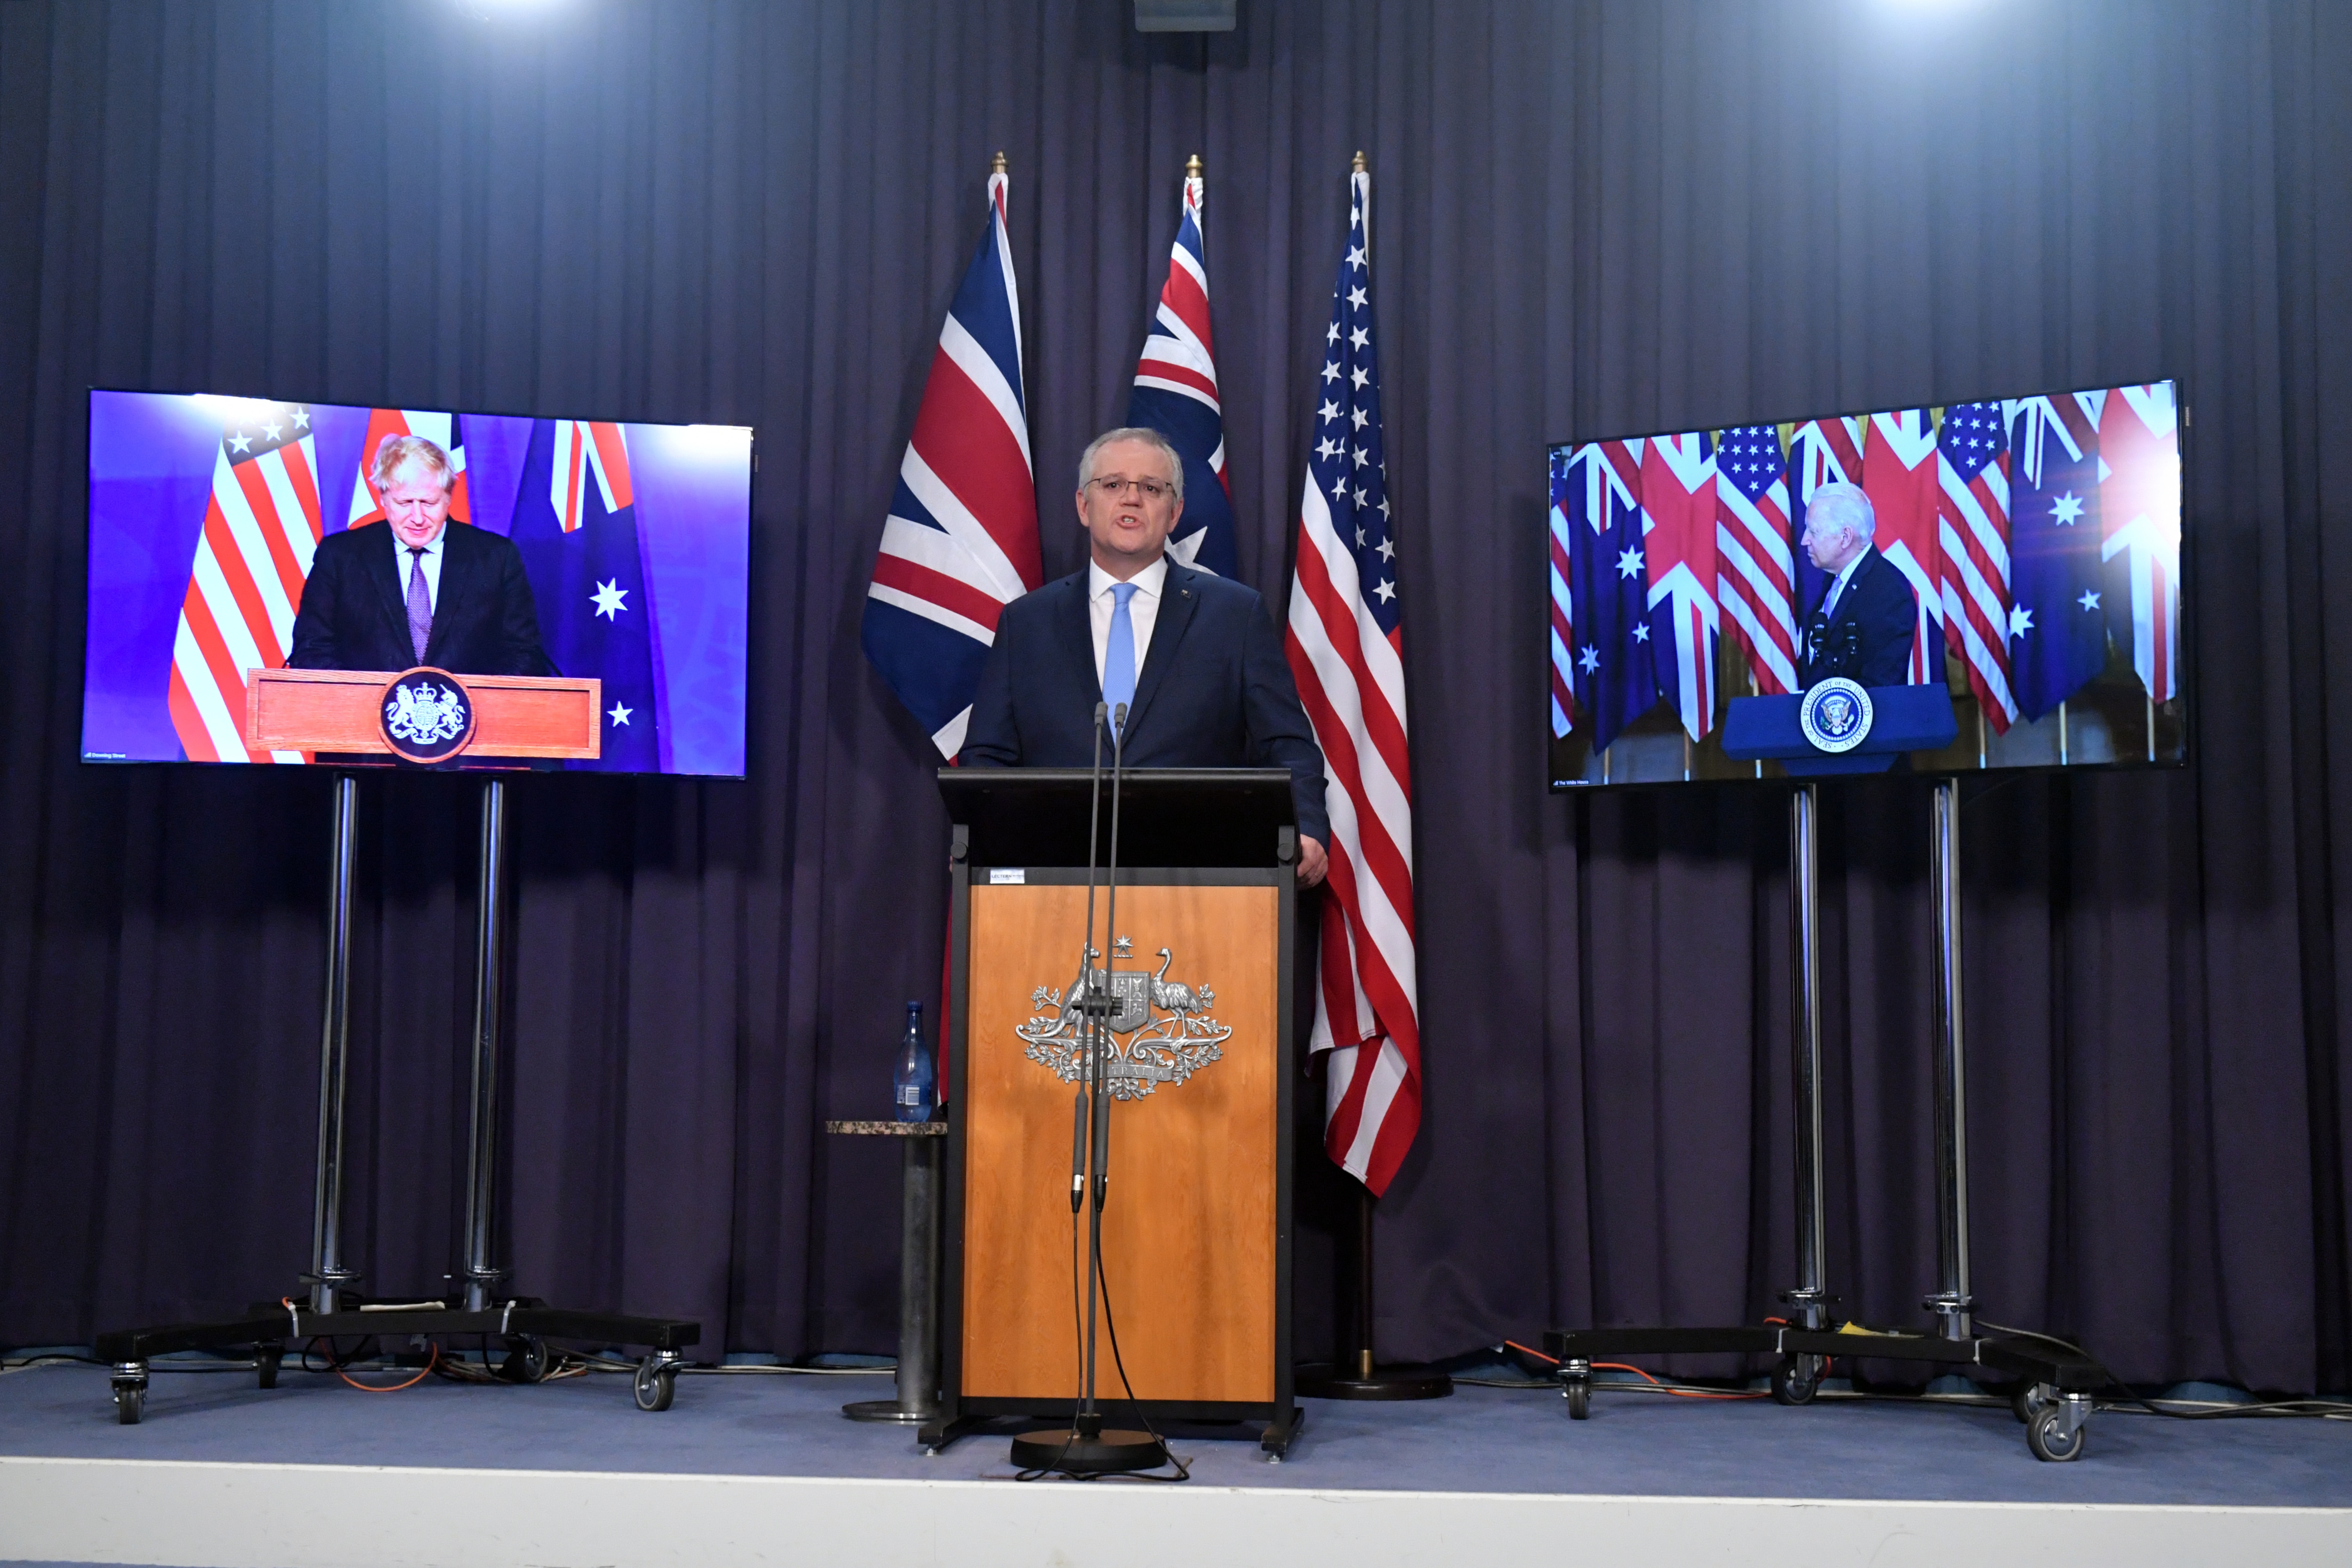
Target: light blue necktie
<point>1119,656</point>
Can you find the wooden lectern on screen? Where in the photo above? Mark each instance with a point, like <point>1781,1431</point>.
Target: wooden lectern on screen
<point>1196,1224</point>
<point>341,711</point>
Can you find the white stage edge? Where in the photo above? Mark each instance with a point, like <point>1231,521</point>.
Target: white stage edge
<point>200,1515</point>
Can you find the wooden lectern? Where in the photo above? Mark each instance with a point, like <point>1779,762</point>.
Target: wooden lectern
<point>1196,1224</point>
<point>339,710</point>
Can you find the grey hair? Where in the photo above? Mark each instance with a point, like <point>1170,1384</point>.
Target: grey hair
<point>1842,505</point>
<point>394,453</point>
<point>1131,433</point>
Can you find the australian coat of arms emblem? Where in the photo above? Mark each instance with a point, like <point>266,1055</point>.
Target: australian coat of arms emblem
<point>1159,1029</point>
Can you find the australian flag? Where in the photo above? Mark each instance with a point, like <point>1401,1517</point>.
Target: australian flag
<point>1595,489</point>
<point>2057,629</point>
<point>575,521</point>
<point>1176,395</point>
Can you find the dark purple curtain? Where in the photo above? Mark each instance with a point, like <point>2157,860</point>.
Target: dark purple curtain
<point>1589,220</point>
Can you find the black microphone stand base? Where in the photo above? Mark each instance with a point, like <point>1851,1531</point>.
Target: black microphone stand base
<point>1110,1452</point>
<point>1322,1380</point>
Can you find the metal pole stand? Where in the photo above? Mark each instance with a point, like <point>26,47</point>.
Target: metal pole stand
<point>1358,1377</point>
<point>1797,1376</point>
<point>479,1278</point>
<point>923,1145</point>
<point>1953,1305</point>
<point>331,1310</point>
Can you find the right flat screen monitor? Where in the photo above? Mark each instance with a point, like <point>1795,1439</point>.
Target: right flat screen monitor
<point>1988,585</point>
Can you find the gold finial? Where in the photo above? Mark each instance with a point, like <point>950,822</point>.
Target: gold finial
<point>1192,167</point>
<point>996,164</point>
<point>1357,166</point>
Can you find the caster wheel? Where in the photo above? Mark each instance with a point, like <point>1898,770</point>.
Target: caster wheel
<point>1580,1401</point>
<point>655,1386</point>
<point>265,1367</point>
<point>1796,1379</point>
<point>129,1402</point>
<point>526,1360</point>
<point>2029,1402</point>
<point>2047,1435</point>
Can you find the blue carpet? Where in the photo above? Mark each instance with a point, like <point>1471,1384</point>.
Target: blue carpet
<point>1480,1440</point>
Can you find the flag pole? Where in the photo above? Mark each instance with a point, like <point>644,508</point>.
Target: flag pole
<point>1357,1374</point>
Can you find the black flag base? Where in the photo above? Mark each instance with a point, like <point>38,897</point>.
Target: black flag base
<point>1359,1376</point>
<point>1364,1380</point>
<point>1110,1451</point>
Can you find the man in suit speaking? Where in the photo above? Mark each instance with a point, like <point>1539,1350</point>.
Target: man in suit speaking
<point>416,591</point>
<point>1196,657</point>
<point>1866,623</point>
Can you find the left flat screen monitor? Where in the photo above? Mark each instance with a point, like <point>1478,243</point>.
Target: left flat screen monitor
<point>573,548</point>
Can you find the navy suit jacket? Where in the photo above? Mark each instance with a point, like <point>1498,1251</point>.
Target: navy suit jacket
<point>354,616</point>
<point>1214,691</point>
<point>1869,639</point>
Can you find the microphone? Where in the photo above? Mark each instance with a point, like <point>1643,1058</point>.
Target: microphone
<point>1119,727</point>
<point>1078,1151</point>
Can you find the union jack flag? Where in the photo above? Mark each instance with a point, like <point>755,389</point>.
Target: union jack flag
<point>1345,644</point>
<point>1898,472</point>
<point>1679,530</point>
<point>960,541</point>
<point>1176,395</point>
<point>443,429</point>
<point>1821,452</point>
<point>262,525</point>
<point>1972,530</point>
<point>1755,579</point>
<point>2139,529</point>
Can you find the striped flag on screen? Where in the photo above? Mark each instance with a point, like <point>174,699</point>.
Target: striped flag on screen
<point>442,429</point>
<point>2139,529</point>
<point>1972,470</point>
<point>1678,541</point>
<point>1755,575</point>
<point>1899,473</point>
<point>1176,395</point>
<point>261,527</point>
<point>1345,644</point>
<point>961,540</point>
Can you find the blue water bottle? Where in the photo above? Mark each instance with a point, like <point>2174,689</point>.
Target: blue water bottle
<point>913,1087</point>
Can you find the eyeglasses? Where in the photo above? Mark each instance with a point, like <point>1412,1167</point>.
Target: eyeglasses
<point>1145,489</point>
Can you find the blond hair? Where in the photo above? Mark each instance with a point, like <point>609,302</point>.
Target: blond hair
<point>394,453</point>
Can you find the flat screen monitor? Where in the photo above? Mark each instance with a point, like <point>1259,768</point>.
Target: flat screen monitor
<point>234,535</point>
<point>1987,584</point>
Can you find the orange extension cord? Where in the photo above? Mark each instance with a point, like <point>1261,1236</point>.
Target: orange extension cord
<point>1637,1371</point>
<point>432,1361</point>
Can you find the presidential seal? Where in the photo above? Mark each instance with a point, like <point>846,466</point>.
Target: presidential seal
<point>1159,1030</point>
<point>427,715</point>
<point>1835,715</point>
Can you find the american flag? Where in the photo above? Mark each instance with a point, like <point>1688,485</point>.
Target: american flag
<point>960,541</point>
<point>1755,577</point>
<point>1678,540</point>
<point>1973,511</point>
<point>440,428</point>
<point>1176,395</point>
<point>261,527</point>
<point>2139,529</point>
<point>1898,472</point>
<point>1344,645</point>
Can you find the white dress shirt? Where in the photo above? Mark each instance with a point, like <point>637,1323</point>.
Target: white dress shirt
<point>431,561</point>
<point>1837,588</point>
<point>1142,610</point>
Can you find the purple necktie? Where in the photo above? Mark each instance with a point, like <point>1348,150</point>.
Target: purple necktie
<point>420,602</point>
